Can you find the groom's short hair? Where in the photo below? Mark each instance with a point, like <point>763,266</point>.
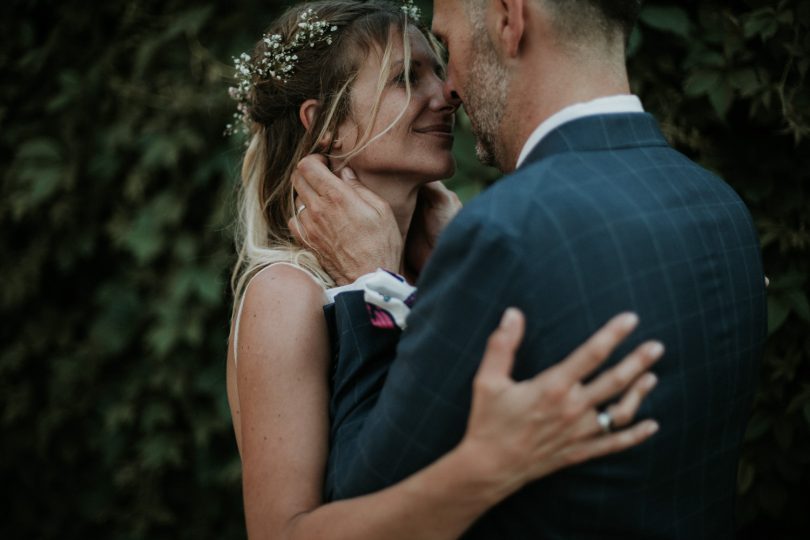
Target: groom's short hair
<point>581,20</point>
<point>576,17</point>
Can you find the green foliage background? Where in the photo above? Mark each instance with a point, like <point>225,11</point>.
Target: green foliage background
<point>115,215</point>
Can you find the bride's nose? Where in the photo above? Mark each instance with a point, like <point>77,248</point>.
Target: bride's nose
<point>439,99</point>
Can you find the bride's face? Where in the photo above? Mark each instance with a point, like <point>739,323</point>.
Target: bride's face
<point>418,145</point>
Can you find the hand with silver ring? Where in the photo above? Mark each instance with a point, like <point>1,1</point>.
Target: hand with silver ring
<point>605,420</point>
<point>567,414</point>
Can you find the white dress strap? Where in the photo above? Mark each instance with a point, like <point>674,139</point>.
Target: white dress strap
<point>244,294</point>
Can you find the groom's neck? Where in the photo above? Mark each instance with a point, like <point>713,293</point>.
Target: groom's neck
<point>548,80</point>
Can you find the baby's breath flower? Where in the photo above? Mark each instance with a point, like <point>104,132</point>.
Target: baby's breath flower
<point>279,59</point>
<point>412,10</point>
<point>277,62</point>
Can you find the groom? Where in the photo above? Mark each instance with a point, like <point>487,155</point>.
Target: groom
<point>597,215</point>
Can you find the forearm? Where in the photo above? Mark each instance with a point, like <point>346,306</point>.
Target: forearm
<point>439,502</point>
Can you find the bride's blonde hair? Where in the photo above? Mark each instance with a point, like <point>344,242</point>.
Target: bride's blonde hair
<point>278,140</point>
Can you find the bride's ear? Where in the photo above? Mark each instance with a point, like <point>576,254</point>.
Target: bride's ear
<point>308,113</point>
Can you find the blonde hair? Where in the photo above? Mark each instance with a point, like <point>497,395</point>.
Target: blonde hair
<point>278,139</point>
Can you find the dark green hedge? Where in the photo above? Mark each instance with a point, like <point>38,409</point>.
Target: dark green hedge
<point>115,230</point>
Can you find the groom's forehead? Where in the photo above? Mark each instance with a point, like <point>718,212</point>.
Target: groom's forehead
<point>446,14</point>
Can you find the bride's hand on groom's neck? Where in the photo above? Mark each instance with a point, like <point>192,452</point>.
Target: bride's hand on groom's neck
<point>351,229</point>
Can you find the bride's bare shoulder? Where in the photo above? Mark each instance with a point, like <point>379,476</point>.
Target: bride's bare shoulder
<point>283,285</point>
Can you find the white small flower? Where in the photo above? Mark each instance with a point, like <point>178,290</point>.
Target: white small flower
<point>276,62</point>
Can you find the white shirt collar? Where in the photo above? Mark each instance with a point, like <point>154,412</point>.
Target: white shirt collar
<point>625,103</point>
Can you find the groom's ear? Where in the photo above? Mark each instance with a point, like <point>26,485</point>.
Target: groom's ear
<point>510,25</point>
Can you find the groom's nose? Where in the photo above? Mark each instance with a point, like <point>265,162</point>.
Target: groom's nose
<point>450,93</point>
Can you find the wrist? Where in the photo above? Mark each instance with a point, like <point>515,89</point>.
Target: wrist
<point>490,475</point>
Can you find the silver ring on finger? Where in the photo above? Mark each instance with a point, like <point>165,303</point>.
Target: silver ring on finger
<point>605,421</point>
<point>300,209</point>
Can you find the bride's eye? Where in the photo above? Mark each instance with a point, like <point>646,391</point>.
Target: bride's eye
<point>440,71</point>
<point>400,79</point>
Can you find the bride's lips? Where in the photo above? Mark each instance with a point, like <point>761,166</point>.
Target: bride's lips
<point>439,130</point>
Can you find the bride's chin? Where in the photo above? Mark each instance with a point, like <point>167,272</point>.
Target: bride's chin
<point>448,171</point>
<point>446,175</point>
<point>443,172</point>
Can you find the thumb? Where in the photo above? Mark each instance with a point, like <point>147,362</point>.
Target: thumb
<point>499,356</point>
<point>348,176</point>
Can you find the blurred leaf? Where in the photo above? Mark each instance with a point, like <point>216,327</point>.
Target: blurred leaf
<point>156,415</point>
<point>800,305</point>
<point>773,497</point>
<point>635,42</point>
<point>159,452</point>
<point>762,22</point>
<point>746,81</point>
<point>701,82</point>
<point>788,281</point>
<point>758,426</point>
<point>783,432</point>
<point>667,18</point>
<point>721,97</point>
<point>745,477</point>
<point>778,311</point>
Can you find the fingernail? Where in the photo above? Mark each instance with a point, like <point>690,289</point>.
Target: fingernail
<point>652,427</point>
<point>509,318</point>
<point>655,349</point>
<point>628,320</point>
<point>650,380</point>
<point>348,174</point>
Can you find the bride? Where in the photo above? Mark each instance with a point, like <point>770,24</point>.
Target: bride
<point>361,84</point>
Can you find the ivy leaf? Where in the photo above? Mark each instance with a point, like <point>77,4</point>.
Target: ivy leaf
<point>668,19</point>
<point>778,311</point>
<point>746,473</point>
<point>157,414</point>
<point>788,281</point>
<point>783,433</point>
<point>162,338</point>
<point>635,42</point>
<point>772,497</point>
<point>721,97</point>
<point>745,80</point>
<point>37,171</point>
<point>160,451</point>
<point>757,427</point>
<point>798,301</point>
<point>144,238</point>
<point>701,82</point>
<point>761,23</point>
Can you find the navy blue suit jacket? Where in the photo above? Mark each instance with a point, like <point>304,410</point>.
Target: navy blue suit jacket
<point>603,217</point>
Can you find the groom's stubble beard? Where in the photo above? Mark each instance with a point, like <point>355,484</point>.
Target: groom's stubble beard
<point>485,94</point>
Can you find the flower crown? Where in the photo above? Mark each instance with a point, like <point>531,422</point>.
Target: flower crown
<point>279,60</point>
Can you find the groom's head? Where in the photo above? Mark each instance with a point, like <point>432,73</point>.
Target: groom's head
<point>514,60</point>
